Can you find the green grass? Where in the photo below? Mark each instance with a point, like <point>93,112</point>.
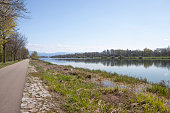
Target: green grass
<point>7,63</point>
<point>154,104</point>
<point>80,95</point>
<point>38,68</point>
<point>145,102</point>
<point>129,79</point>
<point>159,90</point>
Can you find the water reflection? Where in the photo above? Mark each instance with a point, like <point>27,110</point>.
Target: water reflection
<point>145,63</point>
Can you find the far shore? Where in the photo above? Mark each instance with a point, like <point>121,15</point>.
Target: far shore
<point>114,58</point>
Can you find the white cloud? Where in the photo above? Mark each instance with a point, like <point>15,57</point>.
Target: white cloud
<point>166,39</point>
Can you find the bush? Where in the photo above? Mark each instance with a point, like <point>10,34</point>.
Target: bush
<point>34,56</point>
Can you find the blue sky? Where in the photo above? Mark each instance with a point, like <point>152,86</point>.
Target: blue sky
<point>95,25</point>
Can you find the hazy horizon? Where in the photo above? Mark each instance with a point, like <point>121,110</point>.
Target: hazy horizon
<point>90,51</point>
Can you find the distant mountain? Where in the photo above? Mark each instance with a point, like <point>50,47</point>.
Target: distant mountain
<point>49,54</point>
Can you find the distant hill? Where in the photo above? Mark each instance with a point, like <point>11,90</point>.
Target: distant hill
<point>49,54</point>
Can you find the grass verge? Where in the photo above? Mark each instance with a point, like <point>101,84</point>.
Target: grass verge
<point>7,63</point>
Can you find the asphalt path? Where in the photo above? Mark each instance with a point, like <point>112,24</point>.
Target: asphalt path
<point>12,80</point>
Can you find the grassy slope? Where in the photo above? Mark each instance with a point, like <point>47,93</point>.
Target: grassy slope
<point>81,95</point>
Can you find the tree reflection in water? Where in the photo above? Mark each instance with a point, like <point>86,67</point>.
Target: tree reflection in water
<point>108,62</point>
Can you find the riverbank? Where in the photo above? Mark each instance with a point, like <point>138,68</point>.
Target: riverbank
<point>82,90</point>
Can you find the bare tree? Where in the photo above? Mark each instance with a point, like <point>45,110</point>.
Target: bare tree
<point>16,44</point>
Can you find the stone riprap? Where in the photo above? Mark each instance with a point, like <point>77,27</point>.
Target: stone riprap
<point>35,97</point>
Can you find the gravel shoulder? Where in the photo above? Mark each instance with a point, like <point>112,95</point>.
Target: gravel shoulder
<point>36,98</point>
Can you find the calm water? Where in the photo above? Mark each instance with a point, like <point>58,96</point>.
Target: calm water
<point>153,70</point>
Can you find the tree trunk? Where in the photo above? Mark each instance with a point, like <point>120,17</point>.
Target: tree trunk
<point>11,56</point>
<point>4,53</point>
<point>14,57</point>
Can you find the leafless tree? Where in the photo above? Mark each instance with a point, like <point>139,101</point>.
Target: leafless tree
<point>16,45</point>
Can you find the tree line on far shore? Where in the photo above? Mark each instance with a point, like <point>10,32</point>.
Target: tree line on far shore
<point>159,52</point>
<point>12,43</point>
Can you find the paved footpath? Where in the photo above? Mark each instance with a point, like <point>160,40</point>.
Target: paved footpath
<point>12,80</point>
